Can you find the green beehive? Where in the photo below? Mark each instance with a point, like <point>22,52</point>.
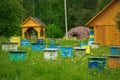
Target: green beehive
<point>17,55</point>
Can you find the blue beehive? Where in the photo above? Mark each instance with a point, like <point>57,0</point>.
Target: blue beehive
<point>114,50</point>
<point>52,41</point>
<point>37,46</point>
<point>66,51</point>
<point>83,45</point>
<point>97,62</point>
<point>17,55</point>
<point>24,42</point>
<point>55,46</point>
<point>41,41</point>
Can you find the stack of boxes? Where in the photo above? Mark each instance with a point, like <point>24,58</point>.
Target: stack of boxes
<point>18,54</point>
<point>114,57</point>
<point>91,37</point>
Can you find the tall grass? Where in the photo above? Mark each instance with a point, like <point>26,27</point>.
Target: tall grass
<point>35,67</point>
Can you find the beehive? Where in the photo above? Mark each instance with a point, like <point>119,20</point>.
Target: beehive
<point>50,53</point>
<point>7,46</point>
<point>114,50</point>
<point>97,62</point>
<point>80,51</point>
<point>90,43</point>
<point>15,39</point>
<point>91,37</point>
<point>40,41</point>
<point>55,46</point>
<point>114,60</point>
<point>37,46</point>
<point>17,55</point>
<point>52,41</point>
<point>83,45</point>
<point>66,51</point>
<point>24,42</point>
<point>95,45</point>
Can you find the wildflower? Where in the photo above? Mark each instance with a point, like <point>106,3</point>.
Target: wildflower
<point>94,73</point>
<point>72,60</point>
<point>105,67</point>
<point>91,53</point>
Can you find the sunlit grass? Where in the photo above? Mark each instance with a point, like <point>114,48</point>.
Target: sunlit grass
<point>35,67</point>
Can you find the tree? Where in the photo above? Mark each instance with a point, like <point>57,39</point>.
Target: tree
<point>10,17</point>
<point>80,11</point>
<point>118,20</point>
<point>53,31</point>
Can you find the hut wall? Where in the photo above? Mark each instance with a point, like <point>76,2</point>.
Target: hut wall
<point>107,35</point>
<point>100,34</point>
<point>113,35</point>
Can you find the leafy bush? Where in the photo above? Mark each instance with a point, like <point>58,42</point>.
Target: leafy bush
<point>53,31</point>
<point>118,20</point>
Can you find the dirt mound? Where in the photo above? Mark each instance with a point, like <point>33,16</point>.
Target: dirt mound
<point>79,32</point>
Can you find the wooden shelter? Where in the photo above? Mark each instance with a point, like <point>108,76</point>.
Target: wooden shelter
<point>30,24</point>
<point>104,25</point>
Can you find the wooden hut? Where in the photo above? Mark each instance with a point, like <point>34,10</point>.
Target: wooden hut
<point>104,25</point>
<point>30,24</point>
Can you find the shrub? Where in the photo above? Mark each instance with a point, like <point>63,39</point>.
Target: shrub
<point>53,31</point>
<point>118,20</point>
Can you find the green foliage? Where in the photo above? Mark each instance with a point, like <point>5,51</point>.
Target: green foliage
<point>10,17</point>
<point>14,12</point>
<point>53,31</point>
<point>80,11</point>
<point>118,20</point>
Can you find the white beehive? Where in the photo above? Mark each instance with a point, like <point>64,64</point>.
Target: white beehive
<point>10,46</point>
<point>95,45</point>
<point>50,53</point>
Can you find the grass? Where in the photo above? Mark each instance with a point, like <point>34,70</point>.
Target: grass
<point>35,67</point>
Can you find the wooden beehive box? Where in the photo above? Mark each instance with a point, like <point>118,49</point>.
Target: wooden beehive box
<point>37,46</point>
<point>55,46</point>
<point>17,55</point>
<point>50,53</point>
<point>114,61</point>
<point>66,51</point>
<point>97,62</point>
<point>8,46</point>
<point>80,51</point>
<point>15,39</point>
<point>24,42</point>
<point>83,45</point>
<point>95,45</point>
<point>114,50</point>
<point>40,41</point>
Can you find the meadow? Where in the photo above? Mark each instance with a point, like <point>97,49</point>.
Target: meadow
<point>35,67</point>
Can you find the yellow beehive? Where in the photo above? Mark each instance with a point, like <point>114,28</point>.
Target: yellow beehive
<point>15,39</point>
<point>88,49</point>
